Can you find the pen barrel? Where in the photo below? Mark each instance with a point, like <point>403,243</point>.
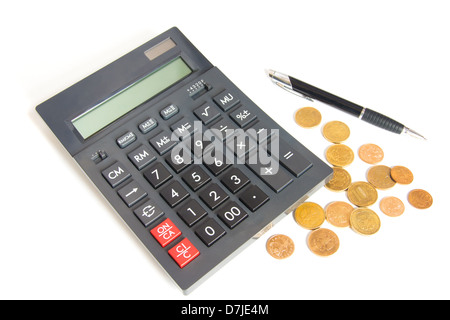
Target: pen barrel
<point>380,120</point>
<point>326,97</point>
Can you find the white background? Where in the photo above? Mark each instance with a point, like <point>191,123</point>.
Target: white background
<point>59,239</point>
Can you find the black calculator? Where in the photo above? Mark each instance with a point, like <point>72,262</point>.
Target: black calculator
<point>189,162</point>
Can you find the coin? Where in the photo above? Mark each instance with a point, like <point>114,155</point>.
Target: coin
<point>392,206</point>
<point>365,221</point>
<point>280,246</point>
<point>323,242</point>
<point>420,199</point>
<point>309,215</point>
<point>336,131</point>
<point>402,175</point>
<point>338,213</point>
<point>340,181</point>
<point>380,177</point>
<point>362,194</point>
<point>339,155</point>
<point>371,153</point>
<point>308,117</point>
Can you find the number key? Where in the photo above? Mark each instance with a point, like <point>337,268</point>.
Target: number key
<point>235,180</point>
<point>196,177</point>
<point>213,196</point>
<point>174,193</point>
<point>157,175</point>
<point>191,212</point>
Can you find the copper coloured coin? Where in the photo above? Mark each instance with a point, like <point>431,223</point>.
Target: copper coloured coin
<point>323,242</point>
<point>420,199</point>
<point>371,153</point>
<point>280,246</point>
<point>402,175</point>
<point>392,206</point>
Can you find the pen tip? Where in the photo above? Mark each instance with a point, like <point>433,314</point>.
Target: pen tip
<point>413,133</point>
<point>269,72</point>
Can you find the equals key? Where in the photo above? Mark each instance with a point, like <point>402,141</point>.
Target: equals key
<point>290,158</point>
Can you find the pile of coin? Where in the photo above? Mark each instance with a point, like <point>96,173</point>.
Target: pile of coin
<point>362,194</point>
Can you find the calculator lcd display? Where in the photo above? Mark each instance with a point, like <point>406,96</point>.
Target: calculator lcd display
<point>130,97</point>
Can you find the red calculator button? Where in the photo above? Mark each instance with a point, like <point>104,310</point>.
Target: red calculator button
<point>165,232</point>
<point>184,252</point>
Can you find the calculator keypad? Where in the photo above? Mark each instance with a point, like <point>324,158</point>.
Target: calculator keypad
<point>219,205</point>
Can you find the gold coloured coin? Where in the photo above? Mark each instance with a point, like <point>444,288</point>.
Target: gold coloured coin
<point>308,117</point>
<point>420,199</point>
<point>336,131</point>
<point>280,246</point>
<point>380,177</point>
<point>340,181</point>
<point>402,175</point>
<point>371,153</point>
<point>339,155</point>
<point>392,206</point>
<point>338,213</point>
<point>309,215</point>
<point>362,194</point>
<point>364,221</point>
<point>323,242</point>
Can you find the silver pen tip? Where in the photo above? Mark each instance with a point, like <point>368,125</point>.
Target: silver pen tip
<point>413,133</point>
<point>270,73</point>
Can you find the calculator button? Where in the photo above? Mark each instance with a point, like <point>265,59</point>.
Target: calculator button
<point>292,159</point>
<point>207,113</point>
<point>184,252</point>
<point>191,212</point>
<point>157,175</point>
<point>116,174</point>
<point>169,111</point>
<point>226,100</point>
<point>141,157</point>
<point>148,125</point>
<point>260,131</point>
<point>272,174</point>
<point>198,145</point>
<point>253,197</point>
<point>196,177</point>
<point>209,231</point>
<point>174,193</point>
<point>179,159</point>
<point>132,193</point>
<point>183,128</point>
<point>235,180</point>
<point>213,195</point>
<point>148,212</point>
<point>217,163</point>
<point>162,142</point>
<point>231,214</point>
<point>243,116</point>
<point>223,129</point>
<point>165,232</point>
<point>241,144</point>
<point>126,139</point>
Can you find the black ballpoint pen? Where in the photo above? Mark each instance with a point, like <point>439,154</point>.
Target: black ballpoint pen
<point>310,92</point>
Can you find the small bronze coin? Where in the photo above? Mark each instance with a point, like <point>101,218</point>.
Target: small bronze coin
<point>380,177</point>
<point>392,206</point>
<point>362,194</point>
<point>371,153</point>
<point>420,199</point>
<point>338,213</point>
<point>336,131</point>
<point>280,246</point>
<point>309,215</point>
<point>323,242</point>
<point>340,181</point>
<point>308,117</point>
<point>339,155</point>
<point>365,221</point>
<point>401,175</point>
